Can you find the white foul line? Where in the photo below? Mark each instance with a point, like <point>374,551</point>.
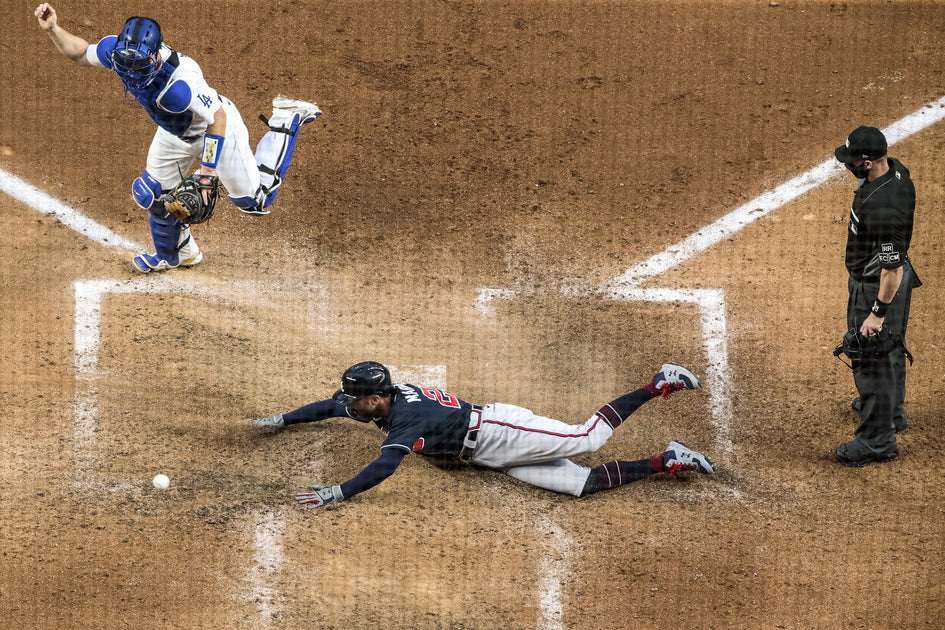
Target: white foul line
<point>711,302</point>
<point>268,532</point>
<point>553,571</point>
<point>762,205</point>
<point>87,337</point>
<point>38,200</point>
<point>721,229</point>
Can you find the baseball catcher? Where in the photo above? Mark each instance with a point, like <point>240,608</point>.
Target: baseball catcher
<point>192,201</point>
<point>194,122</point>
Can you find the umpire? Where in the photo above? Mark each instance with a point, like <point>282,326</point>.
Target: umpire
<point>880,285</point>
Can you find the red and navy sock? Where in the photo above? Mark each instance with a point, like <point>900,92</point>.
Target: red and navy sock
<point>616,411</point>
<point>618,473</point>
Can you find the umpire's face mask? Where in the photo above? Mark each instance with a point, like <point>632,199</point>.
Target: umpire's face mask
<point>860,171</point>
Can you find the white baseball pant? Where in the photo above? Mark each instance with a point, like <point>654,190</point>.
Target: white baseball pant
<point>170,158</point>
<point>535,449</point>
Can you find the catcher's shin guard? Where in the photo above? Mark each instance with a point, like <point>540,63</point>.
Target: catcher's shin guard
<point>172,243</point>
<point>274,151</point>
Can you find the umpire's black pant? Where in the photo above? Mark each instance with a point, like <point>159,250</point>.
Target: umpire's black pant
<point>881,383</point>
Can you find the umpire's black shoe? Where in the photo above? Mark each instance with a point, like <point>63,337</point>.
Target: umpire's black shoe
<point>848,456</point>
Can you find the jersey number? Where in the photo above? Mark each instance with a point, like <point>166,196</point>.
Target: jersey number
<point>447,400</point>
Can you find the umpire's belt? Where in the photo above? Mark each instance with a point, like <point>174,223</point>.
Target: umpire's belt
<point>472,434</point>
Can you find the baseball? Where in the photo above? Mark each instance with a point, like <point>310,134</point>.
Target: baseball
<point>161,482</point>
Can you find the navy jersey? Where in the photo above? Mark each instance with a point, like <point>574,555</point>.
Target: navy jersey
<point>422,420</point>
<point>880,229</point>
<point>426,421</point>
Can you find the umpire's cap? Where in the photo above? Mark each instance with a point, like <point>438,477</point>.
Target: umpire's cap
<point>362,380</point>
<point>865,143</point>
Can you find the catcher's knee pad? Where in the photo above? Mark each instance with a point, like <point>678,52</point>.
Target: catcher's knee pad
<point>147,192</point>
<point>166,234</point>
<point>274,154</point>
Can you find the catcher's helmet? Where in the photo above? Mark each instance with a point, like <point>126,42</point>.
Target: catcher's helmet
<point>362,380</point>
<point>136,57</point>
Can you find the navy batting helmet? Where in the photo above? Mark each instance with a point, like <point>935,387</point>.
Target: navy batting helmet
<point>136,57</point>
<point>362,380</point>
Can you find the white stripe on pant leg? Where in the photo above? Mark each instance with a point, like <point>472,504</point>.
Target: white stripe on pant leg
<point>561,475</point>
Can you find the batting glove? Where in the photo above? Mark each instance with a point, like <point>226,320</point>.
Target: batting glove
<point>321,497</point>
<point>274,422</point>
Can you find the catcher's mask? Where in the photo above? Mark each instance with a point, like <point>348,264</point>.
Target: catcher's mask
<point>860,349</point>
<point>136,57</point>
<point>362,380</point>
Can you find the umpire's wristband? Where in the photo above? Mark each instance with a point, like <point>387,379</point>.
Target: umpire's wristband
<point>879,308</point>
<point>212,145</point>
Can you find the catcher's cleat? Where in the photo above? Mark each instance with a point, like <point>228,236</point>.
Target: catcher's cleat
<point>188,256</point>
<point>677,457</point>
<point>307,111</point>
<point>146,263</point>
<point>671,378</point>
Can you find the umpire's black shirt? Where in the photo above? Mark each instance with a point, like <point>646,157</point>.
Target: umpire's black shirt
<point>881,223</point>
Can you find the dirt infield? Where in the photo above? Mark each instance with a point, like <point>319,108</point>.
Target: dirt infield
<point>481,171</point>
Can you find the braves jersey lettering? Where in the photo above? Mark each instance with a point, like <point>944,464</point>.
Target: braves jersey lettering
<point>409,393</point>
<point>447,400</point>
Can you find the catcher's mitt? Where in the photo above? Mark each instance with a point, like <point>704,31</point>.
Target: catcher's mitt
<point>860,349</point>
<point>186,201</point>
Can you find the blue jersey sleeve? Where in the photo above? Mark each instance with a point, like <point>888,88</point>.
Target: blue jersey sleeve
<point>103,52</point>
<point>374,473</point>
<point>315,411</point>
<point>176,98</point>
